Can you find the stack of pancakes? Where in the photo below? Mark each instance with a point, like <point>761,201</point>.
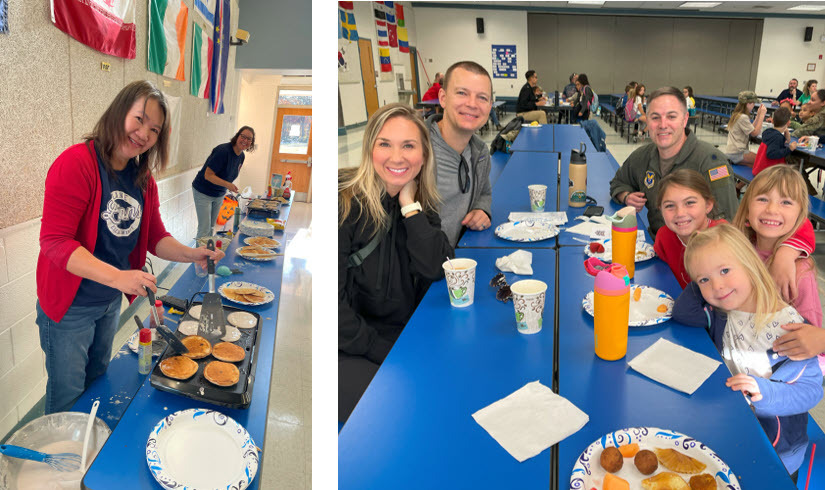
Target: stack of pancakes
<point>262,241</point>
<point>244,295</point>
<point>256,251</point>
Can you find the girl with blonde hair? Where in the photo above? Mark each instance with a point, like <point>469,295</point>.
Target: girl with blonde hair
<point>390,244</point>
<point>740,128</point>
<point>734,297</point>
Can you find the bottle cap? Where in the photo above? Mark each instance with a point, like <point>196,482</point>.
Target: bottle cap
<point>145,336</point>
<point>624,218</point>
<point>218,244</point>
<point>158,303</point>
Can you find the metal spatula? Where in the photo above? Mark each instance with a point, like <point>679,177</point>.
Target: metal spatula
<point>212,323</point>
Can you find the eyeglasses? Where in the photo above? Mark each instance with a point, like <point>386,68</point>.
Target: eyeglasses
<point>463,176</point>
<point>245,137</point>
<point>503,292</point>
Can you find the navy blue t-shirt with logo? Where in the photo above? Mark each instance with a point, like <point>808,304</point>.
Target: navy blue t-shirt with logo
<point>226,165</point>
<point>118,228</point>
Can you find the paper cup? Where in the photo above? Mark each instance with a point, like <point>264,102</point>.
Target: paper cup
<point>813,141</point>
<point>538,193</point>
<point>528,301</point>
<point>461,281</point>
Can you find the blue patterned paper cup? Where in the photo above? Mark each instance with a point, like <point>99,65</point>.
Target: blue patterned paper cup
<point>461,281</point>
<point>538,195</point>
<point>528,301</point>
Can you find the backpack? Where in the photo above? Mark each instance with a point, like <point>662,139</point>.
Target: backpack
<point>507,135</point>
<point>629,110</point>
<point>595,108</point>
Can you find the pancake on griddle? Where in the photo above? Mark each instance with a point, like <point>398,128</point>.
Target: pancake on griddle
<point>225,351</point>
<point>198,347</point>
<point>178,367</point>
<point>242,319</point>
<point>221,373</point>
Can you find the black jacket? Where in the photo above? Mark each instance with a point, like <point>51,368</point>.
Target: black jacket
<point>526,99</point>
<point>377,298</point>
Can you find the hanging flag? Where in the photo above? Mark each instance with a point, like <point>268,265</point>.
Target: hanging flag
<point>220,56</point>
<point>206,9</point>
<point>346,21</point>
<point>167,36</point>
<point>383,40</point>
<point>4,17</point>
<point>107,26</point>
<point>389,8</point>
<point>201,63</point>
<point>403,42</point>
<point>173,104</point>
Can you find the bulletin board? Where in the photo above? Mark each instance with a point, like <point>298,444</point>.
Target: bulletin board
<point>504,60</point>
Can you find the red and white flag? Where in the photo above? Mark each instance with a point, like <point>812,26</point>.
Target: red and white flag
<point>105,25</point>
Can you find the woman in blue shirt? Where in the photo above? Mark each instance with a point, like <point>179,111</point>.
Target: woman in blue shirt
<point>216,176</point>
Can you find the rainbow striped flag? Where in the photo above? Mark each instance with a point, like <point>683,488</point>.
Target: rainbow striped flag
<point>383,40</point>
<point>346,17</point>
<point>403,42</point>
<point>201,63</point>
<point>168,20</point>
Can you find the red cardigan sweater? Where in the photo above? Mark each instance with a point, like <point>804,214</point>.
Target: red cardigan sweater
<point>71,209</point>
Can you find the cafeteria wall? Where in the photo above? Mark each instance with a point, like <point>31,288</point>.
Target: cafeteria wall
<point>52,92</point>
<point>785,54</point>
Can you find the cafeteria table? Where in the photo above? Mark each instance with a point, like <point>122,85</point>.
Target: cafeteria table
<point>534,139</point>
<point>568,137</point>
<point>413,428</point>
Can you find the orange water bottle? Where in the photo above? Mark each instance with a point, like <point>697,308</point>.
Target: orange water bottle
<point>611,312</point>
<point>623,235</point>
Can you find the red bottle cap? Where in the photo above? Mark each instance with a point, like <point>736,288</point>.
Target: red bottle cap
<point>158,303</point>
<point>218,244</point>
<point>145,336</point>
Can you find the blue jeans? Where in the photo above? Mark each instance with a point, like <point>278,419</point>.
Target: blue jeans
<point>207,209</point>
<point>78,349</point>
<point>493,116</point>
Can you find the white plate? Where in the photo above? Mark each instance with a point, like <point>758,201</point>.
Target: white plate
<point>643,312</point>
<point>526,231</point>
<point>268,295</point>
<point>195,312</point>
<point>188,327</point>
<point>588,472</point>
<point>644,251</point>
<point>201,449</point>
<point>259,258</point>
<point>528,125</point>
<point>249,239</point>
<point>242,319</point>
<point>158,344</point>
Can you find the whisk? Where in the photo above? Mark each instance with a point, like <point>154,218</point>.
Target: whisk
<point>60,462</point>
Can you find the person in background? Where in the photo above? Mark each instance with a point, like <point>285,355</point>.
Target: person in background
<point>623,101</point>
<point>570,89</point>
<point>216,177</point>
<point>639,107</point>
<point>776,142</point>
<point>691,102</point>
<point>816,122</point>
<point>792,92</point>
<point>583,106</point>
<point>462,159</point>
<point>734,298</point>
<point>432,92</point>
<point>810,88</point>
<point>390,244</point>
<point>101,216</point>
<point>528,105</point>
<point>805,113</point>
<point>740,128</point>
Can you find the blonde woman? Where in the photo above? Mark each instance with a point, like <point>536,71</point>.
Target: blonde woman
<point>390,244</point>
<point>740,129</point>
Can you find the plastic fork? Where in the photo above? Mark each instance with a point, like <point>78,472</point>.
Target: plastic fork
<point>60,462</point>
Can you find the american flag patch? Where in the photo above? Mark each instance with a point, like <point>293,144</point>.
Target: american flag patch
<point>718,173</point>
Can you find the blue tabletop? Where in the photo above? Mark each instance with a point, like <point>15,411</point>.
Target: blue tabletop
<point>510,194</point>
<point>132,407</point>
<point>536,139</point>
<point>616,397</point>
<point>413,428</point>
<point>567,137</point>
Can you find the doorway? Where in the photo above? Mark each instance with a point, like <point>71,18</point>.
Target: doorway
<point>292,143</point>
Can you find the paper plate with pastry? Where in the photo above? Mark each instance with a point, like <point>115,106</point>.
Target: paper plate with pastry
<point>246,293</point>
<point>651,459</point>
<point>648,306</point>
<point>262,241</point>
<point>221,373</point>
<point>201,448</point>
<point>178,367</point>
<point>257,253</point>
<point>603,250</point>
<point>198,347</point>
<point>242,319</point>
<point>228,352</point>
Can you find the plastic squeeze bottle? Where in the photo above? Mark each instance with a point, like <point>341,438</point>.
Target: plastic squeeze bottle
<point>159,309</point>
<point>611,312</point>
<point>578,178</point>
<point>623,234</point>
<point>145,351</point>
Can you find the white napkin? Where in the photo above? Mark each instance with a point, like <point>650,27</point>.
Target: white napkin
<point>552,217</point>
<point>519,262</point>
<point>530,420</point>
<point>675,366</point>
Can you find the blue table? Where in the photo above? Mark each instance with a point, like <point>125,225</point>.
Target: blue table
<point>413,428</point>
<point>534,139</point>
<point>132,408</point>
<point>568,137</point>
<point>510,194</point>
<point>616,397</point>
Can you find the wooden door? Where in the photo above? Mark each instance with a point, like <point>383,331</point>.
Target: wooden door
<point>368,76</point>
<point>292,149</point>
<point>414,76</point>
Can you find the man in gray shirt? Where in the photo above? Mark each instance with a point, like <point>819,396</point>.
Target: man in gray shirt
<point>462,159</point>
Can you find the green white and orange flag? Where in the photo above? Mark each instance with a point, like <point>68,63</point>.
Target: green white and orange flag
<point>201,63</point>
<point>168,20</point>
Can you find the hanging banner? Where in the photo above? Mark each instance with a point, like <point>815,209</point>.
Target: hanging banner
<point>389,9</point>
<point>4,16</point>
<point>383,41</point>
<point>403,42</point>
<point>220,56</point>
<point>199,85</point>
<point>346,21</point>
<point>167,36</point>
<point>206,10</point>
<point>174,106</point>
<point>504,61</point>
<point>349,67</point>
<point>105,25</point>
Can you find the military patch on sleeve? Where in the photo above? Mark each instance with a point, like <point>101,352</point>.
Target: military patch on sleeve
<point>649,179</point>
<point>718,173</point>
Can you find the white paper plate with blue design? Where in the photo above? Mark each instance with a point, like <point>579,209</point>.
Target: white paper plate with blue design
<point>526,231</point>
<point>201,449</point>
<point>268,295</point>
<point>588,472</point>
<point>644,251</point>
<point>647,310</point>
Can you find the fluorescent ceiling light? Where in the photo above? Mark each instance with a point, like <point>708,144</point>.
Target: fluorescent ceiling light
<point>586,2</point>
<point>699,5</point>
<point>809,8</point>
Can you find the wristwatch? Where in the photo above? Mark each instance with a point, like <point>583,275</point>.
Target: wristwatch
<point>416,206</point>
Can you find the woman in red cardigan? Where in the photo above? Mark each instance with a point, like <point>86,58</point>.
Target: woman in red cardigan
<point>100,217</point>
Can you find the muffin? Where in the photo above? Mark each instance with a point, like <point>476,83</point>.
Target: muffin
<point>611,460</point>
<point>646,462</point>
